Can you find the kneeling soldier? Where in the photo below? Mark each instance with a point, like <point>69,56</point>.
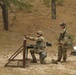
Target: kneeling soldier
<point>38,48</point>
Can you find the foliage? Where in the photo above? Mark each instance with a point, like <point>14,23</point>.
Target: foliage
<point>5,4</point>
<point>28,6</point>
<point>17,3</point>
<point>14,2</point>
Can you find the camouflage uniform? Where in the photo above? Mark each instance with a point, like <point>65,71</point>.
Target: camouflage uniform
<point>38,48</point>
<point>62,47</point>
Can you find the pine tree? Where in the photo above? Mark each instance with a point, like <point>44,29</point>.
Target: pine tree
<point>53,4</point>
<point>5,4</point>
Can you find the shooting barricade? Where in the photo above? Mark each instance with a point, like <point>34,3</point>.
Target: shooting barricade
<point>24,48</point>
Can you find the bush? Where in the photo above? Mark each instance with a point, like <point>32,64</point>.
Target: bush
<point>28,6</point>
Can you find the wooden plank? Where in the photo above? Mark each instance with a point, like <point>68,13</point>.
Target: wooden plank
<point>24,50</point>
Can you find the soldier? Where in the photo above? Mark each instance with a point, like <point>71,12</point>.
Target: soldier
<point>62,43</point>
<point>38,48</point>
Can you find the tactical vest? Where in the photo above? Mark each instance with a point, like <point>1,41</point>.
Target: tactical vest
<point>62,35</point>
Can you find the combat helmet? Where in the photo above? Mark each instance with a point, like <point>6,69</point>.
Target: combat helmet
<point>40,32</point>
<point>62,24</point>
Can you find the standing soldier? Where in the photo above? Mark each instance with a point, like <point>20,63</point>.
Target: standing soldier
<point>62,43</point>
<point>38,48</point>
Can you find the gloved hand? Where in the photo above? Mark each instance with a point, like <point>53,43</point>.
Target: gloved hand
<point>27,37</point>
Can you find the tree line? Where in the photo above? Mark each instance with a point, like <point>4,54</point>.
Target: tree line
<point>6,4</point>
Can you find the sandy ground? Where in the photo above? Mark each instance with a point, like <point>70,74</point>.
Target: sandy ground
<point>68,68</point>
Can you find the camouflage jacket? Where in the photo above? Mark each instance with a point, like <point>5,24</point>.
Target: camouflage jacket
<point>40,44</point>
<point>63,37</point>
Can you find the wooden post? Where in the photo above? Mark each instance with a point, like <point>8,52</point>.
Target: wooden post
<point>5,15</point>
<point>24,50</point>
<point>53,4</point>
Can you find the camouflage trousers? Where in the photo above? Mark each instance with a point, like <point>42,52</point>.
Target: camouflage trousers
<point>42,55</point>
<point>62,53</point>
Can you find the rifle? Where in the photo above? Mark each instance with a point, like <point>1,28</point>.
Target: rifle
<point>61,37</point>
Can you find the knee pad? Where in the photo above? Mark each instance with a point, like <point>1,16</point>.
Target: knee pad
<point>43,55</point>
<point>31,51</point>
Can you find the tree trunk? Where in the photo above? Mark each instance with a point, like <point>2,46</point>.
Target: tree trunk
<point>53,4</point>
<point>5,16</point>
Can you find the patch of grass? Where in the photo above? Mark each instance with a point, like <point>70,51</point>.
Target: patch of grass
<point>28,6</point>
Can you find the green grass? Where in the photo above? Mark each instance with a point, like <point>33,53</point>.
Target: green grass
<point>28,6</point>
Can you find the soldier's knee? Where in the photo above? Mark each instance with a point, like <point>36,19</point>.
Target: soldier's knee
<point>31,51</point>
<point>43,55</point>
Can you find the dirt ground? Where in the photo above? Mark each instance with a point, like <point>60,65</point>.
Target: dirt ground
<point>29,23</point>
<point>68,68</point>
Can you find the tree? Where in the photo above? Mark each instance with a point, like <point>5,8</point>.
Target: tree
<point>53,4</point>
<point>5,4</point>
